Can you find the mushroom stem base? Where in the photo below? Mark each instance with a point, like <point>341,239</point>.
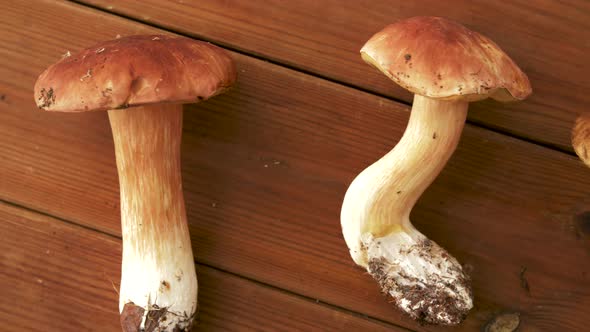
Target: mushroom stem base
<point>136,319</point>
<point>421,277</point>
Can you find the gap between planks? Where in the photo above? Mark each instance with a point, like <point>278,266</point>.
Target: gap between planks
<point>310,300</point>
<point>283,64</point>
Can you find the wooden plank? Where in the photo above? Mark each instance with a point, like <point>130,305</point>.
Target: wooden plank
<point>54,278</point>
<point>265,168</point>
<point>60,277</point>
<point>545,37</point>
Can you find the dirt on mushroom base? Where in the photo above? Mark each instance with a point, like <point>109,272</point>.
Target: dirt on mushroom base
<point>155,320</point>
<point>441,296</point>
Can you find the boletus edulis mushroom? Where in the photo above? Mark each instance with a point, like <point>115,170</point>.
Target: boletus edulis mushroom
<point>143,81</point>
<point>446,66</point>
<point>581,138</point>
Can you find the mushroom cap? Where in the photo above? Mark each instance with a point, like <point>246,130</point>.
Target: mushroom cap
<point>438,58</point>
<point>135,70</point>
<point>581,138</point>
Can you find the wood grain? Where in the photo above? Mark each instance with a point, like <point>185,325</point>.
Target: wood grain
<point>545,37</point>
<point>265,168</point>
<point>61,277</point>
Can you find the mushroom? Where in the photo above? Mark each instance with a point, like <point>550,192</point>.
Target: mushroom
<point>446,66</point>
<point>581,138</point>
<point>142,81</point>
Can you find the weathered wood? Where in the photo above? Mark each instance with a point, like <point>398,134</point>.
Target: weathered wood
<point>265,168</point>
<point>545,37</point>
<point>61,277</point>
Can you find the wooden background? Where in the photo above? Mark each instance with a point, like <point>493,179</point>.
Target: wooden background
<point>265,168</point>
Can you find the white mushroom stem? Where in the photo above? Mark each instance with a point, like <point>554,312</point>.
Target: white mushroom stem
<point>424,280</point>
<point>158,280</point>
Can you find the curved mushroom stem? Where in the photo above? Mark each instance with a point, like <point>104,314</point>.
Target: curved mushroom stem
<point>424,280</point>
<point>158,280</point>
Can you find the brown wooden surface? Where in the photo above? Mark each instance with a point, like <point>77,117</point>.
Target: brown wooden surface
<point>265,168</point>
<point>61,277</point>
<point>547,38</point>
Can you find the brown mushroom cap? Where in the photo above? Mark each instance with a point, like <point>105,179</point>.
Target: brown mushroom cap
<point>135,70</point>
<point>438,58</point>
<point>581,137</point>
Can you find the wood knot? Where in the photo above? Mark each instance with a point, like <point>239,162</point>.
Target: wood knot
<point>582,223</point>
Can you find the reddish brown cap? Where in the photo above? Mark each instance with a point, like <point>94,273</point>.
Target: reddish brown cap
<point>135,70</point>
<point>438,58</point>
<point>581,138</point>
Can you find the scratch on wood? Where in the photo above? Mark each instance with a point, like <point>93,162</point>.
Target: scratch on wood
<point>524,283</point>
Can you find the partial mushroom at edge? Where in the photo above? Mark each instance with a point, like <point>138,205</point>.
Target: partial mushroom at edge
<point>581,138</point>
